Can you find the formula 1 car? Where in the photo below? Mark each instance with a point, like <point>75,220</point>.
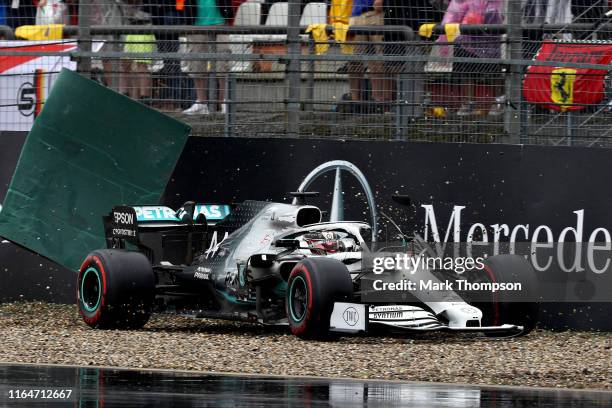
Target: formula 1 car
<point>269,263</point>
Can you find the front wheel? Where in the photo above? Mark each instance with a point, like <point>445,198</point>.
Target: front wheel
<point>115,289</point>
<point>314,285</point>
<point>505,308</point>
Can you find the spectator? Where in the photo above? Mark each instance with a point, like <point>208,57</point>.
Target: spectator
<point>410,13</point>
<point>172,86</point>
<point>591,12</point>
<point>107,13</point>
<point>476,90</point>
<point>20,12</point>
<point>135,80</point>
<point>52,12</point>
<point>364,13</point>
<point>340,11</point>
<point>208,14</point>
<point>544,12</point>
<point>413,13</point>
<point>339,15</point>
<point>235,5</point>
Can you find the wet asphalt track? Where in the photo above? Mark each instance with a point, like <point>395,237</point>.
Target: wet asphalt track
<point>109,387</point>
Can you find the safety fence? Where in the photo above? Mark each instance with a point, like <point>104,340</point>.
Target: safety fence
<point>460,71</point>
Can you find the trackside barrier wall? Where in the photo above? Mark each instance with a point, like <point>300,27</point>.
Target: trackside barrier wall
<point>526,188</point>
<point>547,189</point>
<point>523,187</point>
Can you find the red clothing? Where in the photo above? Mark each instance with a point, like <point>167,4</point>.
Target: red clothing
<point>236,4</point>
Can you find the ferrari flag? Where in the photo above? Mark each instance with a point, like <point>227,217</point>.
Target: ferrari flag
<point>563,88</point>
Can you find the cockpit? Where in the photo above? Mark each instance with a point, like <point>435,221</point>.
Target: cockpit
<point>328,242</point>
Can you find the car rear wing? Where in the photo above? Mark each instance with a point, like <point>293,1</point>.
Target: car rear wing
<point>123,222</point>
<point>161,232</point>
<point>155,214</point>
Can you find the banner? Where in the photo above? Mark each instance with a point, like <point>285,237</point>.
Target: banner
<point>459,194</point>
<point>25,275</point>
<point>26,80</point>
<point>10,147</point>
<point>567,89</point>
<point>89,150</point>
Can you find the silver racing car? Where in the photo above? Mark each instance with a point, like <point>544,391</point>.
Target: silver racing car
<point>273,264</point>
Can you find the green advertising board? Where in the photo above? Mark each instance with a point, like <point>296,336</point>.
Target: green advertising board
<point>89,150</point>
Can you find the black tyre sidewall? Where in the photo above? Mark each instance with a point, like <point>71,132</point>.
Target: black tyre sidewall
<point>512,308</point>
<point>328,281</point>
<point>128,289</point>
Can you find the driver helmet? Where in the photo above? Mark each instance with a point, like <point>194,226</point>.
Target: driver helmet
<point>328,242</point>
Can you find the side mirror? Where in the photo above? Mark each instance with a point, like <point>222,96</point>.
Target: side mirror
<point>401,199</point>
<point>299,197</point>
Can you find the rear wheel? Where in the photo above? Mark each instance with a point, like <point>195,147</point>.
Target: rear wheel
<point>313,286</point>
<point>115,289</point>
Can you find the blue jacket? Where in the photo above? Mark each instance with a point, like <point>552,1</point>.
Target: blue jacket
<point>361,6</point>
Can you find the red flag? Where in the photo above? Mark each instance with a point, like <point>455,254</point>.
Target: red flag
<point>562,88</point>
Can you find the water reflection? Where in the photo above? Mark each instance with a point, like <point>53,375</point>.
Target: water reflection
<point>93,387</point>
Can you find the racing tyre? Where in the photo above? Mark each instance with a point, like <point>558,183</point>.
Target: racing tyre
<point>510,307</point>
<point>115,289</point>
<point>313,286</point>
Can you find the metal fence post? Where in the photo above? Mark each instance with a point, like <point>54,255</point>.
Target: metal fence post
<point>84,38</point>
<point>293,69</point>
<point>230,106</point>
<point>410,86</point>
<point>569,130</point>
<point>213,88</point>
<point>514,115</point>
<point>310,78</point>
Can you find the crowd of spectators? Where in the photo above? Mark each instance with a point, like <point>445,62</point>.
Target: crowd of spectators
<point>409,13</point>
<point>185,85</point>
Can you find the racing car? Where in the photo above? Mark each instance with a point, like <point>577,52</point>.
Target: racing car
<point>272,264</point>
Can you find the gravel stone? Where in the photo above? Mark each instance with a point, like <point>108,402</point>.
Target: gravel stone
<point>49,333</point>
